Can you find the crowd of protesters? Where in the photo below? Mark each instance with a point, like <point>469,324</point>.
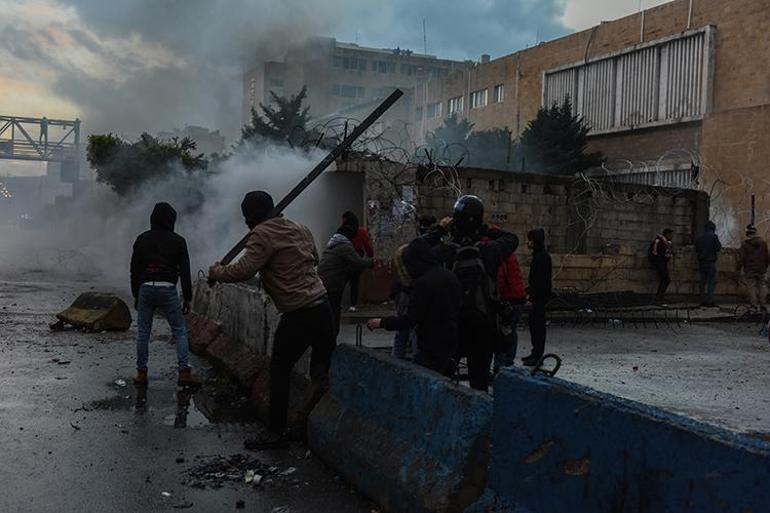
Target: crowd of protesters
<point>458,288</point>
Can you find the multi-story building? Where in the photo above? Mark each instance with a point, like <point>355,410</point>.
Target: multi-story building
<point>207,141</point>
<point>685,84</point>
<point>340,76</point>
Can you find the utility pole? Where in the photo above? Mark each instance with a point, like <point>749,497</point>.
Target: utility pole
<point>424,38</point>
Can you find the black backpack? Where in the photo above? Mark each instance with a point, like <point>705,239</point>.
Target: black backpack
<point>479,289</point>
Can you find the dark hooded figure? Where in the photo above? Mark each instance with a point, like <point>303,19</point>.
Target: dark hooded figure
<point>538,292</point>
<point>707,247</point>
<point>159,260</point>
<point>339,263</point>
<point>433,311</point>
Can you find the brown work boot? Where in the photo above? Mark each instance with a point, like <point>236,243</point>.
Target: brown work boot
<point>187,379</point>
<point>141,378</point>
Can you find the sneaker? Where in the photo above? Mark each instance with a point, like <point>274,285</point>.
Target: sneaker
<point>140,378</point>
<point>188,379</point>
<point>352,309</point>
<point>265,441</point>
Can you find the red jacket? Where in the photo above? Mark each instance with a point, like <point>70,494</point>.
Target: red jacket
<point>362,243</point>
<point>510,283</point>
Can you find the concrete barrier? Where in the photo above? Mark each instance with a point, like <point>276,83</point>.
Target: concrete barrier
<point>563,447</point>
<point>232,325</point>
<point>406,437</point>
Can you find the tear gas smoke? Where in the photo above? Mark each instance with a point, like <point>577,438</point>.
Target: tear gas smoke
<point>96,238</point>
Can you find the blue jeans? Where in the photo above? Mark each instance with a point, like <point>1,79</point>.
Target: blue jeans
<point>506,353</point>
<point>165,299</point>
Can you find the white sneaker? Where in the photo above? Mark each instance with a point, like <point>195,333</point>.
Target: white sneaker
<point>352,309</point>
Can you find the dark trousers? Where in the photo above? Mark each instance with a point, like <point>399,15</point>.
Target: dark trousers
<point>708,281</point>
<point>335,302</point>
<point>537,329</point>
<point>477,340</point>
<point>298,330</point>
<point>665,278</point>
<point>355,279</point>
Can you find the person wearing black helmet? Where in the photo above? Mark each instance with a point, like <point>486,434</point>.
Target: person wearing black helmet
<point>475,262</point>
<point>285,255</point>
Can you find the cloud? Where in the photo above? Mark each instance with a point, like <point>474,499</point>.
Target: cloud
<point>458,29</point>
<point>583,14</point>
<point>145,65</point>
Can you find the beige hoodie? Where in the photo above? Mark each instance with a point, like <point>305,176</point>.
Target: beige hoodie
<point>284,254</point>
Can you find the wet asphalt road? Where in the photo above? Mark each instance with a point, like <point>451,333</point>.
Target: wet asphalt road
<point>72,440</point>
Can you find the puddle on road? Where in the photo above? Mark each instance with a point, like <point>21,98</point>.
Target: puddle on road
<point>218,401</point>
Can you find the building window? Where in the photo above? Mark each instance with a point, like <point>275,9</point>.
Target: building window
<point>499,93</point>
<point>661,82</point>
<point>455,105</point>
<point>478,98</point>
<point>384,66</point>
<point>418,114</point>
<point>276,82</point>
<point>438,72</point>
<point>434,110</point>
<point>348,91</point>
<point>411,69</point>
<point>349,62</point>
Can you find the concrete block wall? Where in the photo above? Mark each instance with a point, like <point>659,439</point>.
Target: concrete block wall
<point>564,447</point>
<point>631,271</point>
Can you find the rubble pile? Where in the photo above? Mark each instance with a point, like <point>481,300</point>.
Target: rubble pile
<point>218,471</point>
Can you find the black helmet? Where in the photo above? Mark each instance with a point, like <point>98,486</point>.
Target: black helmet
<point>468,215</point>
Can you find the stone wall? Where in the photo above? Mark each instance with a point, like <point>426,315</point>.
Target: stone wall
<point>632,272</point>
<point>581,217</point>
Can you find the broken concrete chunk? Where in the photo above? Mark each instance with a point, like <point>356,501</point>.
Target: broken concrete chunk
<point>96,311</point>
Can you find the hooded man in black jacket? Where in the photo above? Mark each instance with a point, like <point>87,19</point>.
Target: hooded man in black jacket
<point>538,292</point>
<point>434,307</point>
<point>159,259</point>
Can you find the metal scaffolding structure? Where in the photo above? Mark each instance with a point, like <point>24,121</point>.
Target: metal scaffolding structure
<point>18,141</point>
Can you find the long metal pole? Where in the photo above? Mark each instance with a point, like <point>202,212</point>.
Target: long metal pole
<point>320,168</point>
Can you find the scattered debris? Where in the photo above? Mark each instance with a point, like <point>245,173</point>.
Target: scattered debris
<point>166,494</point>
<point>120,383</point>
<point>217,471</point>
<point>281,509</point>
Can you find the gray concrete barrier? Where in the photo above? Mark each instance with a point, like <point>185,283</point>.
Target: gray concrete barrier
<point>406,437</point>
<point>233,325</point>
<point>563,447</point>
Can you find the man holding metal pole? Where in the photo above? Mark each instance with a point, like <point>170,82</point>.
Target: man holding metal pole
<point>285,255</point>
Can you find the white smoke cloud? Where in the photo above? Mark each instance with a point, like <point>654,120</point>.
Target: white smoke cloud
<point>96,238</point>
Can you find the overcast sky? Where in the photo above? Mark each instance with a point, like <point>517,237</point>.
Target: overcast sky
<point>154,65</point>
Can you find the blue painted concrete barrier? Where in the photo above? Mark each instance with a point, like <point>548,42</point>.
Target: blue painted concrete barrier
<point>562,447</point>
<point>406,437</point>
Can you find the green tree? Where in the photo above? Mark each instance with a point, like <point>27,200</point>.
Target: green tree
<point>285,122</point>
<point>125,166</point>
<point>491,149</point>
<point>555,142</point>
